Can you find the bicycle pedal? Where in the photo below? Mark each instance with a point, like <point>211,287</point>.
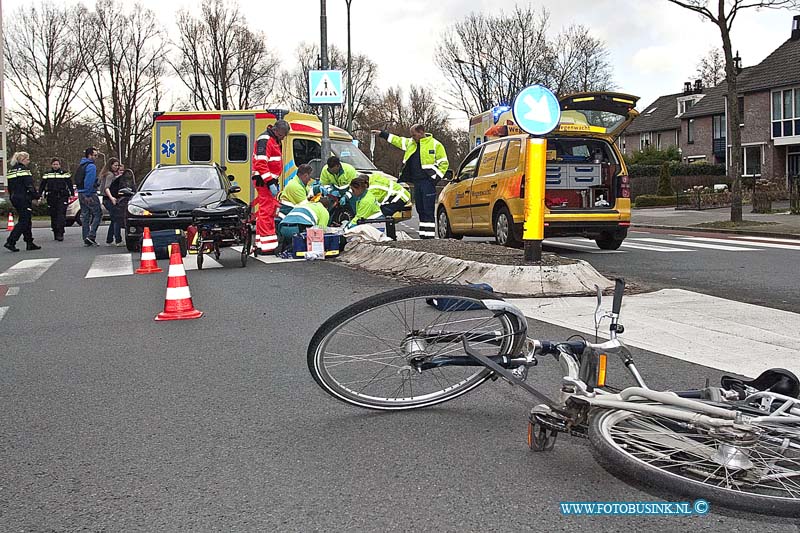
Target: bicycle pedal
<point>541,438</point>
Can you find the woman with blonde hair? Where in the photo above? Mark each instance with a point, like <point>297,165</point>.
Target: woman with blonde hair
<point>22,192</point>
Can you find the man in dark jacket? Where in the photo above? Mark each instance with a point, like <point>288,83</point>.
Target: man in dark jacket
<point>22,191</point>
<point>91,212</point>
<point>56,188</point>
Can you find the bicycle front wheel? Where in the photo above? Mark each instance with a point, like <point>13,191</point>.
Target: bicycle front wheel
<point>757,471</point>
<point>390,351</point>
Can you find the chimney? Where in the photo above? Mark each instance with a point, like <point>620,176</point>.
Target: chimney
<point>795,28</point>
<point>698,86</point>
<point>687,88</point>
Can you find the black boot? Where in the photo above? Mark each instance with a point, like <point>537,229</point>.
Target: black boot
<point>10,246</point>
<point>31,246</point>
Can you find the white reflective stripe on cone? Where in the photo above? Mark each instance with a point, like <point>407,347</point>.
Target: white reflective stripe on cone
<point>148,256</point>
<point>147,242</point>
<point>178,293</point>
<point>176,271</point>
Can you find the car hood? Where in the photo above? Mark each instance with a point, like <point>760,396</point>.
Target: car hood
<point>176,200</point>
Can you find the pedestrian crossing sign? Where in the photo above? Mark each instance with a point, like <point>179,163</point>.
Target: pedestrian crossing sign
<point>325,87</point>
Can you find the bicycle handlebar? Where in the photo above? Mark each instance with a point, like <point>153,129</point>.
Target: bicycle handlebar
<point>619,289</point>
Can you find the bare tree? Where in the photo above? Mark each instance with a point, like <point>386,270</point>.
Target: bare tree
<point>123,56</point>
<point>722,13</point>
<point>488,59</point>
<point>294,83</point>
<point>711,68</point>
<point>43,67</point>
<point>222,62</point>
<point>395,113</point>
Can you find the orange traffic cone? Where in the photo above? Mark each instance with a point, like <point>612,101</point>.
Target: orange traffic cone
<point>178,303</point>
<point>10,226</point>
<point>148,263</point>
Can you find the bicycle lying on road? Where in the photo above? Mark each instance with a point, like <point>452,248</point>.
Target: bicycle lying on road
<point>737,445</point>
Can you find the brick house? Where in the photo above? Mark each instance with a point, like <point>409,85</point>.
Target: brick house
<point>769,104</point>
<point>658,126</point>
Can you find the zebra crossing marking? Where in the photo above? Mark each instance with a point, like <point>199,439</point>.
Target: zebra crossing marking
<point>578,247</point>
<point>795,248</point>
<point>795,242</point>
<point>190,262</point>
<point>3,311</point>
<point>106,266</point>
<point>26,271</point>
<point>652,247</point>
<point>698,245</point>
<point>12,291</point>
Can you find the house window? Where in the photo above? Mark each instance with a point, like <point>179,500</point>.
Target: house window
<point>690,131</point>
<point>200,148</point>
<point>644,140</point>
<point>785,113</point>
<point>658,141</point>
<point>740,104</point>
<point>751,161</point>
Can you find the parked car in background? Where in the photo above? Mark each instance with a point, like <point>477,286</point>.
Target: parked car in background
<point>74,210</point>
<point>167,195</point>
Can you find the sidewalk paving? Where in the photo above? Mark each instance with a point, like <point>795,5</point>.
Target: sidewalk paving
<point>779,224</point>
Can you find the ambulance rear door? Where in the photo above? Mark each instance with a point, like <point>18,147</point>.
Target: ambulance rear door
<point>238,135</point>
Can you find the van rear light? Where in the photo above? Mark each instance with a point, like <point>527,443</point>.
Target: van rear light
<point>521,186</point>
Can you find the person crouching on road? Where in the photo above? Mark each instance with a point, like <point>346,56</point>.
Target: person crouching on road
<point>296,190</point>
<point>305,215</point>
<point>363,201</point>
<point>424,163</point>
<point>267,170</point>
<point>57,188</point>
<point>391,196</point>
<point>336,177</point>
<point>22,192</point>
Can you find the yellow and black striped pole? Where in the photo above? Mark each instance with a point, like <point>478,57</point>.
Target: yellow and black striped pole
<point>533,224</point>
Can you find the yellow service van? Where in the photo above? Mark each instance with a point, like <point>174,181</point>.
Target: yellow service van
<point>227,138</point>
<point>587,191</point>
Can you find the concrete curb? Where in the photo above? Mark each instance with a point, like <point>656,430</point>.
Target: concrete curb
<point>565,280</point>
<point>720,230</point>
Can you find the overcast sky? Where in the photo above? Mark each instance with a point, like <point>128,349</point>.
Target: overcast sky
<point>654,45</point>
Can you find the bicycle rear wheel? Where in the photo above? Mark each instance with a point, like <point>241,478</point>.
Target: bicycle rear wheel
<point>757,472</point>
<point>369,353</point>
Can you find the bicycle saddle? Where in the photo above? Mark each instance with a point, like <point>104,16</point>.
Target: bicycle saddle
<point>777,380</point>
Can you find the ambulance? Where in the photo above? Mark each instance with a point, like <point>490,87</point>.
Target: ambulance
<point>227,138</point>
<point>587,188</point>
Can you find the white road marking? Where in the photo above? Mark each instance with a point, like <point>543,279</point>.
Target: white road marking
<point>3,312</point>
<point>190,262</point>
<point>26,271</point>
<point>653,248</point>
<point>578,247</point>
<point>796,242</point>
<point>105,266</point>
<point>715,332</point>
<point>700,245</point>
<point>795,248</point>
<point>12,291</point>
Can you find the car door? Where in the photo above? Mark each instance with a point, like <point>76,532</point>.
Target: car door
<point>458,196</point>
<point>485,185</point>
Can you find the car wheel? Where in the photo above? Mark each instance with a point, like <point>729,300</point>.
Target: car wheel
<point>504,228</point>
<point>443,230</point>
<point>133,244</point>
<point>606,242</point>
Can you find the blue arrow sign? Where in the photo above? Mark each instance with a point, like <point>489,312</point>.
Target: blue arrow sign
<point>325,87</point>
<point>536,110</point>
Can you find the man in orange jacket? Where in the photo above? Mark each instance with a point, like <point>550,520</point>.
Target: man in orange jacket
<point>267,169</point>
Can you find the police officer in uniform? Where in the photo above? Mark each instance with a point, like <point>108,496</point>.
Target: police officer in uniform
<point>56,188</point>
<point>22,191</point>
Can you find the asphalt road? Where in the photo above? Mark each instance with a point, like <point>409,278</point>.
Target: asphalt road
<point>112,421</point>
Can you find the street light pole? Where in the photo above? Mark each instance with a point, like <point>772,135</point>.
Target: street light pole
<point>323,26</point>
<point>349,75</point>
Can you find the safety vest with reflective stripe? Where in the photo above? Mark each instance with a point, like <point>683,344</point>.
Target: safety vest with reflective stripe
<point>341,180</point>
<point>307,214</point>
<point>56,181</point>
<point>267,159</point>
<point>386,190</point>
<point>294,192</point>
<point>20,181</point>
<point>431,152</point>
<point>366,206</point>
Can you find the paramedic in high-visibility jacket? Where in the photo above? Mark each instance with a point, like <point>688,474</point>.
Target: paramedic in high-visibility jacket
<point>424,163</point>
<point>267,169</point>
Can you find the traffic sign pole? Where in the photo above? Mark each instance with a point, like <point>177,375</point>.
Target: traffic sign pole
<point>533,224</point>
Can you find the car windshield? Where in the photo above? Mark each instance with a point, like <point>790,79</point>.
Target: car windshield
<point>181,178</point>
<point>583,119</point>
<point>349,153</point>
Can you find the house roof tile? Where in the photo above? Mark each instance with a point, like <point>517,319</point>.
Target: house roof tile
<point>658,116</point>
<point>780,68</point>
